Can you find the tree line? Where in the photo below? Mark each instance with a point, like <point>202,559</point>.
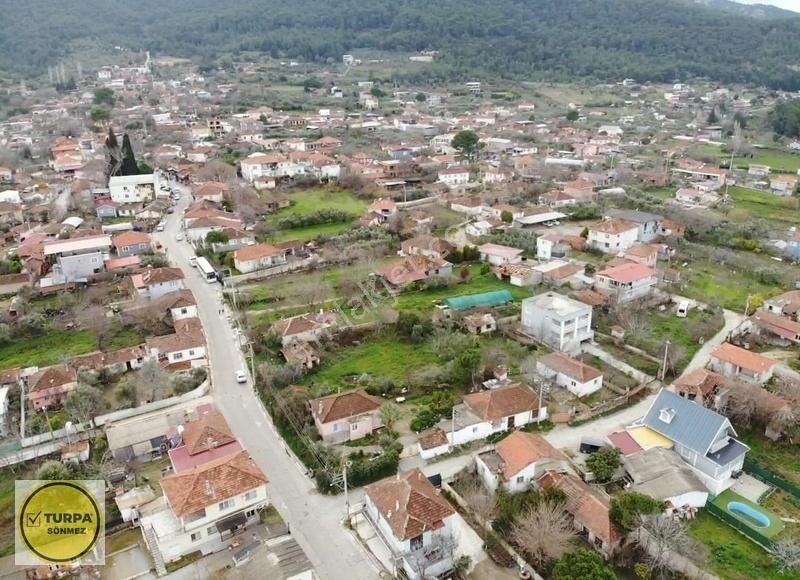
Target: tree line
<point>532,39</point>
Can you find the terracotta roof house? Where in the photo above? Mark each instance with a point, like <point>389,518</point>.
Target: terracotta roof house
<point>733,361</point>
<point>155,282</point>
<point>518,460</point>
<point>305,327</point>
<point>212,191</point>
<point>572,374</point>
<point>132,243</point>
<point>626,282</point>
<point>204,439</point>
<point>258,257</point>
<point>589,508</point>
<point>185,348</point>
<point>702,386</point>
<point>50,386</point>
<point>414,518</point>
<point>414,269</point>
<point>613,235</point>
<point>776,326</point>
<point>786,304</point>
<point>346,416</point>
<point>205,505</point>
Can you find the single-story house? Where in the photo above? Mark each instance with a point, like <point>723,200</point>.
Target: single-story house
<point>574,375</point>
<point>733,361</point>
<point>346,416</point>
<point>518,460</point>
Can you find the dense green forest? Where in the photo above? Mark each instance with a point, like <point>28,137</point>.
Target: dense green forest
<point>658,40</point>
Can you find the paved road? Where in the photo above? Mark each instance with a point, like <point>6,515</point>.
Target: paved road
<point>315,519</point>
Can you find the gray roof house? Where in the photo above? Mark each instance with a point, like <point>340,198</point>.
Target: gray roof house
<point>649,223</point>
<point>703,438</point>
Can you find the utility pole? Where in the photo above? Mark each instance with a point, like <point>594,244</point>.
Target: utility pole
<point>664,365</point>
<point>346,496</point>
<point>747,305</point>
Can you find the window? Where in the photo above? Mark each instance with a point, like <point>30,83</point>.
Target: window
<point>225,505</point>
<point>474,429</point>
<point>354,427</point>
<point>416,543</point>
<point>184,310</point>
<point>211,531</point>
<point>520,479</point>
<point>177,355</point>
<point>250,513</point>
<point>191,353</point>
<point>251,495</point>
<point>195,536</point>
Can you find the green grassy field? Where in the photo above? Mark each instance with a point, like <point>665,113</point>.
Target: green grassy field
<point>708,282</point>
<point>54,346</point>
<point>731,555</point>
<point>777,159</point>
<point>780,457</point>
<point>306,202</point>
<point>385,357</point>
<point>759,204</point>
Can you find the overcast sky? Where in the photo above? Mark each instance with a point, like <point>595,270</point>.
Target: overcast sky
<point>787,4</point>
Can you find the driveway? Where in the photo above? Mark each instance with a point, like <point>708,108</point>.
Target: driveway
<point>315,519</point>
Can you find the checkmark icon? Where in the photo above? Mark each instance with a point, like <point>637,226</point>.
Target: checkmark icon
<point>32,520</point>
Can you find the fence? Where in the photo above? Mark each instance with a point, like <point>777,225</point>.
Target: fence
<point>760,472</point>
<point>740,526</point>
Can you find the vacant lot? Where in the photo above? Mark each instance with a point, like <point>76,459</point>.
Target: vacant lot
<point>779,457</point>
<point>307,202</point>
<point>53,346</point>
<point>384,357</point>
<point>763,205</point>
<point>731,555</point>
<point>714,283</point>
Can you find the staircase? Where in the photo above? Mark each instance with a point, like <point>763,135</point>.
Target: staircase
<point>152,544</point>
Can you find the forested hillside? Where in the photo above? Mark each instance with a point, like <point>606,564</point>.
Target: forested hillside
<point>657,40</point>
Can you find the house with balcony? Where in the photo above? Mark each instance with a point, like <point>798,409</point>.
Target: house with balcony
<point>415,522</point>
<point>137,189</point>
<point>703,438</point>
<point>185,348</point>
<point>560,322</point>
<point>732,361</point>
<point>612,236</point>
<point>649,224</point>
<point>517,461</point>
<point>626,282</point>
<point>132,243</point>
<point>346,416</point>
<point>204,505</point>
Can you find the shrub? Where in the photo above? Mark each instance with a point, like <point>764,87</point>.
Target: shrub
<point>424,419</point>
<point>628,506</point>
<point>603,464</point>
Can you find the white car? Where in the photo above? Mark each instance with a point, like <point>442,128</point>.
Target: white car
<point>241,377</point>
<point>160,227</point>
<point>193,261</point>
<point>179,236</point>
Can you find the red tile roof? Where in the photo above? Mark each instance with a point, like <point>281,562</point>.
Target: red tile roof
<point>502,402</point>
<point>344,405</point>
<point>256,252</point>
<point>211,483</point>
<point>520,449</point>
<point>743,358</point>
<point>628,272</point>
<point>409,503</point>
<point>573,368</point>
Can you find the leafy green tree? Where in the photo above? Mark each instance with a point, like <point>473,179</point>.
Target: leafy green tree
<point>54,470</point>
<point>572,115</point>
<point>104,96</point>
<point>604,463</point>
<point>420,97</point>
<point>216,237</point>
<point>785,118</point>
<point>467,143</point>
<point>424,419</point>
<point>465,366</point>
<point>377,92</point>
<point>144,167</point>
<point>506,216</point>
<point>585,233</point>
<point>100,114</point>
<point>628,506</point>
<point>582,564</point>
<point>712,119</point>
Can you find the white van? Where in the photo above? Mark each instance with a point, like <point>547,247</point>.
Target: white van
<point>683,309</point>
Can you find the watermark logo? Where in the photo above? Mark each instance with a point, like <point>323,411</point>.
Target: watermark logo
<point>59,522</point>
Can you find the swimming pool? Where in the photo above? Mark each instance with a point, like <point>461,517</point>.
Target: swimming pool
<point>751,514</point>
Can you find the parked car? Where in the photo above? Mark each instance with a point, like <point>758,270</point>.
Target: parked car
<point>160,227</point>
<point>241,377</point>
<point>179,236</point>
<point>683,309</point>
<point>193,261</point>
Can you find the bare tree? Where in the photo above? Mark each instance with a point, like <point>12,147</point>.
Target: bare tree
<point>480,500</point>
<point>675,354</point>
<point>544,532</point>
<point>148,317</point>
<point>151,381</point>
<point>630,317</point>
<point>390,415</point>
<point>661,536</point>
<point>528,371</point>
<point>94,319</point>
<point>216,170</point>
<point>786,553</point>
